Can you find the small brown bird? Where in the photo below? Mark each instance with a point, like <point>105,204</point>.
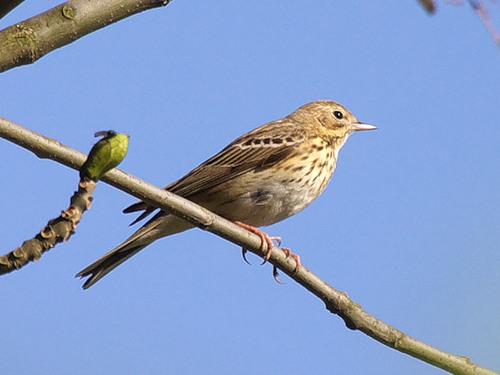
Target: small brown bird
<point>261,178</point>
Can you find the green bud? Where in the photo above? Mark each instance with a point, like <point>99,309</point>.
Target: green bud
<point>105,155</point>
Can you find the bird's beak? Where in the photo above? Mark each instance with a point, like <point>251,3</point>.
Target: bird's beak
<point>357,126</point>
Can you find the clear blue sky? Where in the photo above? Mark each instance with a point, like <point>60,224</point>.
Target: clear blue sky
<point>409,226</point>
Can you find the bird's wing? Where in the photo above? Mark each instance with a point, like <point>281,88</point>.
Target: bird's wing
<point>258,149</point>
<point>235,159</point>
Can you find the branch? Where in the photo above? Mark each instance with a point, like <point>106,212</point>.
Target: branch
<point>27,41</point>
<point>336,301</point>
<point>55,231</point>
<point>105,155</point>
<point>478,7</point>
<point>484,16</point>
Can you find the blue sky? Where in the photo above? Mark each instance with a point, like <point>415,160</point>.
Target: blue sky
<point>408,227</point>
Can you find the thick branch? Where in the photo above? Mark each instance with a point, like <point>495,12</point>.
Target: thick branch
<point>336,301</point>
<point>27,41</point>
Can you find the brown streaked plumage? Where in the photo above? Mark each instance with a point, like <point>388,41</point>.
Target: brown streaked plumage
<point>261,178</point>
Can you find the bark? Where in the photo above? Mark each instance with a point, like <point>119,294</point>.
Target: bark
<point>27,41</point>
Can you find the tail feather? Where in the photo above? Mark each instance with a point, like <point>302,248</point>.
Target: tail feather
<point>161,225</point>
<point>107,263</point>
<point>148,211</point>
<point>140,206</point>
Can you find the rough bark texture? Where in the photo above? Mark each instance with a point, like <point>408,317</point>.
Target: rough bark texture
<point>55,231</point>
<point>27,41</point>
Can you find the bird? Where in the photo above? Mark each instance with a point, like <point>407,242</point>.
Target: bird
<point>259,179</point>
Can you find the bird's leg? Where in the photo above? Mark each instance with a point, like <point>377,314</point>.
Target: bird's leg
<point>278,244</point>
<point>244,250</point>
<point>265,239</point>
<point>268,241</point>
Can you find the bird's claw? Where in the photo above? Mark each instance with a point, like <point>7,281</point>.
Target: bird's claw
<point>270,244</point>
<point>276,275</point>
<point>266,241</point>
<point>288,253</point>
<point>244,255</point>
<point>266,245</point>
<point>296,257</point>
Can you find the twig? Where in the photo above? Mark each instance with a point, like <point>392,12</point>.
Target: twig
<point>106,154</point>
<point>482,13</point>
<point>57,230</point>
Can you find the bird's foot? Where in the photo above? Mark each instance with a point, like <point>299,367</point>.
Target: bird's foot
<point>266,241</point>
<point>295,257</point>
<point>266,245</point>
<point>298,264</point>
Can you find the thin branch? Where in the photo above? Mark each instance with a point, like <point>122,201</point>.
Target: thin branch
<point>336,301</point>
<point>104,155</point>
<point>55,231</point>
<point>484,16</point>
<point>478,7</point>
<point>27,41</point>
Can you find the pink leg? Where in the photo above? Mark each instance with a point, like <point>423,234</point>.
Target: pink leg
<point>268,241</point>
<point>264,238</point>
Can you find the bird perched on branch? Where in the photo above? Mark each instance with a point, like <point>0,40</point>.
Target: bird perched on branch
<point>261,178</point>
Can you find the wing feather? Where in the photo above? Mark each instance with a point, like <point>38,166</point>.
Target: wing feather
<point>260,148</point>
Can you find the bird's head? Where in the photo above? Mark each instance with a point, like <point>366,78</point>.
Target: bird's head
<point>331,118</point>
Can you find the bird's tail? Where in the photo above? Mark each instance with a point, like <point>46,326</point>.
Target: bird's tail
<point>159,226</point>
<point>107,263</point>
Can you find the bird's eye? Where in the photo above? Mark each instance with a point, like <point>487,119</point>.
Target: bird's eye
<point>339,115</point>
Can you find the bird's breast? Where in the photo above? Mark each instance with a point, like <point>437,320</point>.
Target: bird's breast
<point>267,196</point>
